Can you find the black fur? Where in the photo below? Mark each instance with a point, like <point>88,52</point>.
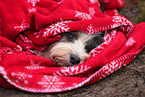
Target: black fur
<point>97,40</point>
<point>93,43</point>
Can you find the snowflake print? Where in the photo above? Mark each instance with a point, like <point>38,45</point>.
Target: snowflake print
<point>95,51</point>
<point>34,66</point>
<point>122,21</point>
<point>37,34</point>
<point>92,11</point>
<point>108,69</point>
<point>130,42</point>
<point>22,27</point>
<point>93,1</point>
<point>21,77</point>
<point>72,70</point>
<point>32,10</point>
<point>51,83</point>
<point>113,66</point>
<point>25,39</point>
<point>56,29</point>
<point>113,33</point>
<point>33,2</point>
<point>107,37</point>
<point>117,20</point>
<point>91,29</point>
<point>83,16</point>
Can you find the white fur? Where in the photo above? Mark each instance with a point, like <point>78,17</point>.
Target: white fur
<point>60,51</point>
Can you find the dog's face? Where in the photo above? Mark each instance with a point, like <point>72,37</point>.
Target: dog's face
<point>73,48</point>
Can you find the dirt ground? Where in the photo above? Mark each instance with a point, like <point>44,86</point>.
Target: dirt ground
<point>126,82</point>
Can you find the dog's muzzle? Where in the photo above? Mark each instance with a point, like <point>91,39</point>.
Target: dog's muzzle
<point>74,59</point>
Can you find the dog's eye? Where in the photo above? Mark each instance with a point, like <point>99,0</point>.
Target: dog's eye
<point>70,36</point>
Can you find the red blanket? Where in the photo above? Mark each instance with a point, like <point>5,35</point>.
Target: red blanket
<point>33,24</point>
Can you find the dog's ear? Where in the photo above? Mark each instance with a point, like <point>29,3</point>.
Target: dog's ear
<point>93,43</point>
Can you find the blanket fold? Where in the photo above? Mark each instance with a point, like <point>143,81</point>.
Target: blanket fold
<point>28,25</point>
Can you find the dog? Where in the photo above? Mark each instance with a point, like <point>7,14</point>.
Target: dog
<point>73,48</point>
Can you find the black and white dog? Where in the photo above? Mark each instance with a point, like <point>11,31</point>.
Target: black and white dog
<point>73,48</point>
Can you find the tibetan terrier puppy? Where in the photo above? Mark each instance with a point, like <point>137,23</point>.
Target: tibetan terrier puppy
<point>73,48</point>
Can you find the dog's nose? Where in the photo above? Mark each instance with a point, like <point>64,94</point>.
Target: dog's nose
<point>74,59</point>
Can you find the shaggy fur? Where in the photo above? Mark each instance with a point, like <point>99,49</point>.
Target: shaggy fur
<point>73,48</point>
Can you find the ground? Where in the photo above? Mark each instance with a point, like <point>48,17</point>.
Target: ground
<point>126,82</point>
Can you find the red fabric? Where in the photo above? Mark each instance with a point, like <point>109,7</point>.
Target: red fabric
<point>33,24</point>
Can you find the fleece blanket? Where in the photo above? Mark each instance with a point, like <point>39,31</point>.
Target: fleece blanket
<point>28,25</point>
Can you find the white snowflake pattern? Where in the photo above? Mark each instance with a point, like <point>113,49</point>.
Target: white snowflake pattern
<point>117,21</point>
<point>113,33</point>
<point>83,16</point>
<point>56,29</point>
<point>25,39</point>
<point>51,83</point>
<point>33,2</point>
<point>72,70</point>
<point>34,66</point>
<point>21,77</point>
<point>113,66</point>
<point>22,27</point>
<point>130,42</point>
<point>37,34</point>
<point>107,69</point>
<point>107,37</point>
<point>32,10</point>
<point>91,29</point>
<point>122,21</point>
<point>93,1</point>
<point>96,50</point>
<point>92,11</point>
